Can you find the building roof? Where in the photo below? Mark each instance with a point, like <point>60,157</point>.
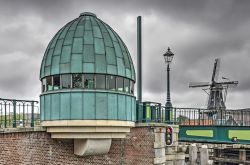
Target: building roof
<point>87,45</point>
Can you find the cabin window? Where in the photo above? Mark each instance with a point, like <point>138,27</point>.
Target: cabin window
<point>100,81</point>
<point>111,82</point>
<point>49,83</point>
<point>44,85</point>
<point>126,85</point>
<point>56,80</point>
<point>66,81</point>
<point>119,83</point>
<point>89,81</point>
<point>77,81</point>
<point>131,87</point>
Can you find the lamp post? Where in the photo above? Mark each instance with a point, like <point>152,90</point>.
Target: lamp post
<point>168,56</point>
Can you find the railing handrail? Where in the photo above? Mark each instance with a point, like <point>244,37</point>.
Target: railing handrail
<point>19,100</point>
<point>243,109</point>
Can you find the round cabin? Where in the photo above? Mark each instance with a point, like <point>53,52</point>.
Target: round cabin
<point>87,77</point>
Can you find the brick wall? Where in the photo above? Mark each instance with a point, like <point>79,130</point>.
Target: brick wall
<point>38,148</point>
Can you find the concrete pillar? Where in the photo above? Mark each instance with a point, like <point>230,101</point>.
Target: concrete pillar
<point>193,154</point>
<point>159,145</point>
<point>180,159</point>
<point>84,147</point>
<point>204,156</point>
<point>242,155</point>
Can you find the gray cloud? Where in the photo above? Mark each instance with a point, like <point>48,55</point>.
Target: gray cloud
<point>197,32</point>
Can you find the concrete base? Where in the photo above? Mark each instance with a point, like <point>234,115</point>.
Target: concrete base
<point>85,147</point>
<point>91,137</point>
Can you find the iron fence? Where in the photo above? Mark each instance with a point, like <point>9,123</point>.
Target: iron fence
<point>19,113</point>
<point>198,116</point>
<point>26,113</point>
<point>155,112</point>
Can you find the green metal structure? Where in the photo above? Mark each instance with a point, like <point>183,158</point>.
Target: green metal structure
<point>200,125</point>
<point>87,74</point>
<point>205,125</point>
<point>215,134</point>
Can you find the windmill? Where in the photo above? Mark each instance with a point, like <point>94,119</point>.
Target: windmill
<point>217,90</point>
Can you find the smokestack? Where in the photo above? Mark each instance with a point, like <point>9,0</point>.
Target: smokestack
<point>139,60</point>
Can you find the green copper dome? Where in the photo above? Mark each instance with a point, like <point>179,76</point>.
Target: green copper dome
<point>87,45</point>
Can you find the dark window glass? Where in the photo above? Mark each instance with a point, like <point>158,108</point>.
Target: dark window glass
<point>89,81</point>
<point>49,83</point>
<point>119,81</point>
<point>56,80</point>
<point>77,80</point>
<point>100,81</point>
<point>44,85</point>
<point>111,82</point>
<point>132,87</point>
<point>66,81</point>
<point>126,85</point>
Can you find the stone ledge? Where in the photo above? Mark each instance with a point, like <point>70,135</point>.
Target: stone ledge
<point>150,125</point>
<point>71,123</point>
<point>22,129</point>
<point>160,160</point>
<point>175,156</point>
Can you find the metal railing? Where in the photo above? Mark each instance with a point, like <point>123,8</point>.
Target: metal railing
<point>155,112</point>
<point>198,116</point>
<point>26,113</point>
<point>19,113</point>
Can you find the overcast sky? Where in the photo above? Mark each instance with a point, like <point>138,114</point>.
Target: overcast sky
<point>196,31</point>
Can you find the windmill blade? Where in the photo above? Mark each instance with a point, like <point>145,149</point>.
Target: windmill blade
<point>216,70</point>
<point>230,84</point>
<point>198,84</point>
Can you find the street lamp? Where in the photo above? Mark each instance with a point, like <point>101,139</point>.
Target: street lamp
<point>168,56</point>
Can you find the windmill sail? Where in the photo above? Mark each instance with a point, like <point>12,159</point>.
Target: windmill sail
<point>198,84</point>
<point>216,70</point>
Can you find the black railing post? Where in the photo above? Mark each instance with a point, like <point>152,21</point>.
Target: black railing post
<point>32,114</point>
<point>174,115</point>
<point>242,118</point>
<point>24,115</point>
<point>199,117</point>
<point>5,114</point>
<point>203,116</point>
<point>189,117</point>
<point>14,113</point>
<point>221,117</point>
